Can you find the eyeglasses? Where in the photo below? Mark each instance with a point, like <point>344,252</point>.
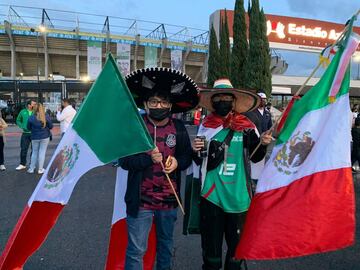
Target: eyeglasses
<point>154,103</point>
<point>222,98</point>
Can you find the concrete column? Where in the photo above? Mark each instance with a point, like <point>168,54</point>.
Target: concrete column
<point>78,65</point>
<point>77,68</point>
<point>46,58</point>
<point>205,69</point>
<point>185,56</point>
<point>163,48</point>
<point>137,41</point>
<point>13,62</point>
<point>12,48</point>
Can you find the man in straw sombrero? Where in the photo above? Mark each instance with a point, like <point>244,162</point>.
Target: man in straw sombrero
<point>224,172</point>
<point>154,177</point>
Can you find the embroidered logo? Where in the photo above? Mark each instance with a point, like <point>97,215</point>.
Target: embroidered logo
<point>171,140</point>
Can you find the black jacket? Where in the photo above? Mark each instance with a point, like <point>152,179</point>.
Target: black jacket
<point>262,122</point>
<point>355,133</point>
<point>136,164</point>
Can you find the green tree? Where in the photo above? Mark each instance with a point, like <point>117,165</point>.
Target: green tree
<point>266,82</point>
<point>258,74</point>
<point>224,63</point>
<point>240,46</point>
<point>213,61</point>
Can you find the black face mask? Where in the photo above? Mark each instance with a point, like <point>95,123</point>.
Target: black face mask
<point>222,108</point>
<point>159,114</point>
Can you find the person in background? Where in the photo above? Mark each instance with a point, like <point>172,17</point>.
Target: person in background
<point>3,126</point>
<point>355,112</point>
<point>22,121</point>
<point>262,119</point>
<point>355,152</point>
<point>197,116</point>
<point>65,115</point>
<point>39,124</point>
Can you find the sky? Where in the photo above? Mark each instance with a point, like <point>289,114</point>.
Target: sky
<point>195,14</point>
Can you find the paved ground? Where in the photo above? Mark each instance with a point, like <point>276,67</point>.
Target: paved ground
<point>79,240</point>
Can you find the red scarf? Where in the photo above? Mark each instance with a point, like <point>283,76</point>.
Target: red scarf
<point>234,121</point>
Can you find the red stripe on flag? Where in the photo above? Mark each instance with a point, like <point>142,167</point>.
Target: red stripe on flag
<point>286,113</point>
<point>118,244</point>
<point>29,233</point>
<point>313,214</point>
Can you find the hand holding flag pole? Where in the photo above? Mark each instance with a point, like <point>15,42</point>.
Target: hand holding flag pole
<point>172,186</point>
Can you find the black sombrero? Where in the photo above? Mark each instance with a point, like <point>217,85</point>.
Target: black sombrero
<point>182,90</point>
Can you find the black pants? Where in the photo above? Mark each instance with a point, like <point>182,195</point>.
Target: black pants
<point>24,144</point>
<point>214,224</point>
<point>1,150</point>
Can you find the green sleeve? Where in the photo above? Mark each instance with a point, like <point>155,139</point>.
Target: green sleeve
<point>20,120</point>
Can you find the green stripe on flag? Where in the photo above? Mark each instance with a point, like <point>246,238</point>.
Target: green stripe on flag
<point>109,121</point>
<point>316,98</point>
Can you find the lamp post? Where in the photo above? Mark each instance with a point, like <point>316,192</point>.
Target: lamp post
<point>42,29</point>
<point>37,52</point>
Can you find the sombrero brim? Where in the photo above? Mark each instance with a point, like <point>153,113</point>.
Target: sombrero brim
<point>245,99</point>
<point>183,91</point>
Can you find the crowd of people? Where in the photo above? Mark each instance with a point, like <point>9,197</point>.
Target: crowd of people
<point>225,158</point>
<point>36,126</point>
<point>220,158</point>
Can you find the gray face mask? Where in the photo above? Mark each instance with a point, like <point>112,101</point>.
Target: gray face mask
<point>159,114</point>
<point>222,108</point>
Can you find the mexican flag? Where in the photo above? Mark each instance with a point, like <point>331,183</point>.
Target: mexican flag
<point>107,127</point>
<point>304,202</point>
<point>118,236</point>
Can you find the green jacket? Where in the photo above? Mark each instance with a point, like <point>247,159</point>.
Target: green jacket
<point>22,120</point>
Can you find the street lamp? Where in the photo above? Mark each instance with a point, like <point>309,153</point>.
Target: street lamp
<point>42,28</point>
<point>85,78</point>
<point>37,51</point>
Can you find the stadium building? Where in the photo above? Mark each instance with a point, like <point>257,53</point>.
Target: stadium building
<point>50,54</point>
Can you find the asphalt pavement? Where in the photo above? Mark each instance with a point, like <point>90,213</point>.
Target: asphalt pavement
<point>80,238</point>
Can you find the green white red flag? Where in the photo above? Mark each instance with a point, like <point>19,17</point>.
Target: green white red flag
<point>107,127</point>
<point>304,202</point>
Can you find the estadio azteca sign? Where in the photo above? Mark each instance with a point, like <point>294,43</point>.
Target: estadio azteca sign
<point>293,29</point>
<point>290,32</point>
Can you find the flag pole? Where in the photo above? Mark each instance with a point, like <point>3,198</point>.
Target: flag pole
<point>298,92</point>
<point>173,189</point>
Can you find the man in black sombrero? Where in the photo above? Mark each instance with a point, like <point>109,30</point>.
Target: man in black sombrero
<point>149,196</point>
<point>224,175</point>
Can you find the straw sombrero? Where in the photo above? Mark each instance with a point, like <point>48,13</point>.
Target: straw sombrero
<point>245,99</point>
<point>182,90</point>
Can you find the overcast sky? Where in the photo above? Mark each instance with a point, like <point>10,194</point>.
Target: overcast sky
<point>195,13</point>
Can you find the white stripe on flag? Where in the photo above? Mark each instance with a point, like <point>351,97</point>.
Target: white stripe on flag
<point>119,200</point>
<point>343,64</point>
<point>328,126</point>
<point>77,159</point>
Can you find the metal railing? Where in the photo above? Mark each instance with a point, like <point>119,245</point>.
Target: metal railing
<point>39,18</point>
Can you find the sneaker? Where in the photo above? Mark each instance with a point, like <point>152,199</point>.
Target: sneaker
<point>30,170</point>
<point>41,171</point>
<point>2,168</point>
<point>20,167</point>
